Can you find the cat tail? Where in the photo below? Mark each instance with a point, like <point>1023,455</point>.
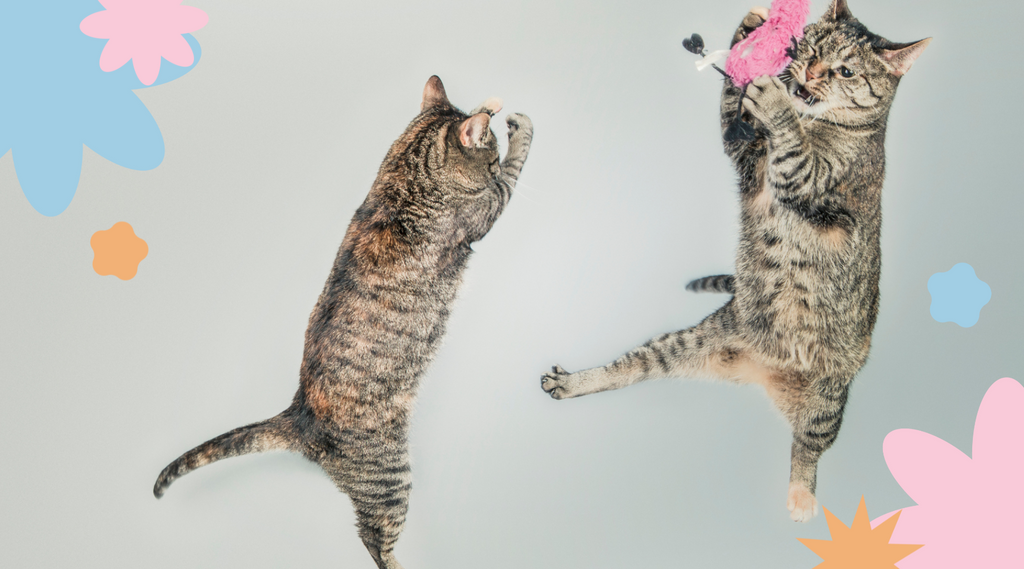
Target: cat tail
<point>717,283</point>
<point>276,433</point>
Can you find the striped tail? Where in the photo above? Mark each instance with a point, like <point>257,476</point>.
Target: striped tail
<point>717,283</point>
<point>275,433</point>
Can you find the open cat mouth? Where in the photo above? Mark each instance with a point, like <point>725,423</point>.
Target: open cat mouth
<point>805,95</point>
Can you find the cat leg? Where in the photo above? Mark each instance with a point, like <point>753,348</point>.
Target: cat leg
<point>803,177</point>
<point>480,217</point>
<point>739,148</point>
<point>520,138</point>
<point>381,502</point>
<point>815,412</point>
<point>731,94</point>
<point>374,471</point>
<point>713,348</point>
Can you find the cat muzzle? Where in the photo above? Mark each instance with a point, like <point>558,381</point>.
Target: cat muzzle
<point>805,95</point>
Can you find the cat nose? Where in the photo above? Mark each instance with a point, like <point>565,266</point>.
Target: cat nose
<point>815,70</point>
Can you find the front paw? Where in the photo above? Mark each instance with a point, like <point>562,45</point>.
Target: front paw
<point>519,126</point>
<point>767,99</point>
<point>753,20</point>
<point>559,384</point>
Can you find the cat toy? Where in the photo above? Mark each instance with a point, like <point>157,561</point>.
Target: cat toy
<point>766,51</point>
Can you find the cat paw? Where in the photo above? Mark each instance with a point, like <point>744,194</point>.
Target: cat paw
<point>753,20</point>
<point>558,383</point>
<point>802,504</point>
<point>767,99</point>
<point>518,124</point>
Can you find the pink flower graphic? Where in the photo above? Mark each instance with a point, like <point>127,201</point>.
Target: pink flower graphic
<point>970,510</point>
<point>144,31</point>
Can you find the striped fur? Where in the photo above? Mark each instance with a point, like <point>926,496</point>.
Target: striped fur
<point>717,283</point>
<point>808,262</point>
<point>382,313</point>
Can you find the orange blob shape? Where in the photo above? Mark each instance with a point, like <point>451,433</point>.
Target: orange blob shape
<point>858,546</point>
<point>118,251</point>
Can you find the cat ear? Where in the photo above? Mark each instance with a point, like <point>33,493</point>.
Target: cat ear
<point>837,12</point>
<point>473,130</point>
<point>433,94</point>
<point>491,106</point>
<point>902,56</point>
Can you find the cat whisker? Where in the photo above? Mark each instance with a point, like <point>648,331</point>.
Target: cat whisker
<point>520,186</point>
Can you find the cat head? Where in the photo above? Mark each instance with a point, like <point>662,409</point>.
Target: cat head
<point>844,73</point>
<point>434,173</point>
<point>445,147</point>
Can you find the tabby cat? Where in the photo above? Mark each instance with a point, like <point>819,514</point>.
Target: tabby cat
<point>805,292</point>
<point>382,313</point>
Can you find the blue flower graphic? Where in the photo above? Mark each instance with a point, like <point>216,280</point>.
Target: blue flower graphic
<point>958,295</point>
<point>55,98</point>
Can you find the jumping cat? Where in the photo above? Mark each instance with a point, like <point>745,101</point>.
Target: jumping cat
<point>805,291</point>
<point>382,314</point>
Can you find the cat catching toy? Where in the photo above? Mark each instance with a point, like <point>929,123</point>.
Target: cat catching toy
<point>766,50</point>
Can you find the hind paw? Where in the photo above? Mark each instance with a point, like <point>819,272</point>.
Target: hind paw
<point>802,504</point>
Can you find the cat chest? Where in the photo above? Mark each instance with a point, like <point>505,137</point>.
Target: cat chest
<point>815,226</point>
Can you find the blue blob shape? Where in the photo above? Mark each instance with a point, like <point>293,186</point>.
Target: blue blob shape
<point>958,295</point>
<point>56,98</point>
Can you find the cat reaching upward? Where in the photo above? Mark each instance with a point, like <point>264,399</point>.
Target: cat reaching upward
<point>805,291</point>
<point>382,313</point>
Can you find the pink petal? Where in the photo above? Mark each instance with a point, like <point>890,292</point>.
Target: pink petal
<point>911,529</point>
<point>927,467</point>
<point>147,67</point>
<point>115,54</point>
<point>177,51</point>
<point>101,25</point>
<point>187,19</point>
<point>999,428</point>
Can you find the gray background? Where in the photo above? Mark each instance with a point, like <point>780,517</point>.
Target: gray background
<point>273,141</point>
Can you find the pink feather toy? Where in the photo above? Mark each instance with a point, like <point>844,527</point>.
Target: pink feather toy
<point>766,51</point>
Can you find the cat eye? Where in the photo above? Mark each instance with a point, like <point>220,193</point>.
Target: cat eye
<point>846,72</point>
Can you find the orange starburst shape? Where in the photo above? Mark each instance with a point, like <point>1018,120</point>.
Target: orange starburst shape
<point>118,251</point>
<point>859,546</point>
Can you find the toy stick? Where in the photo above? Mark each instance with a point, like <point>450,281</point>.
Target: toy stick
<point>768,50</point>
<point>695,44</point>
